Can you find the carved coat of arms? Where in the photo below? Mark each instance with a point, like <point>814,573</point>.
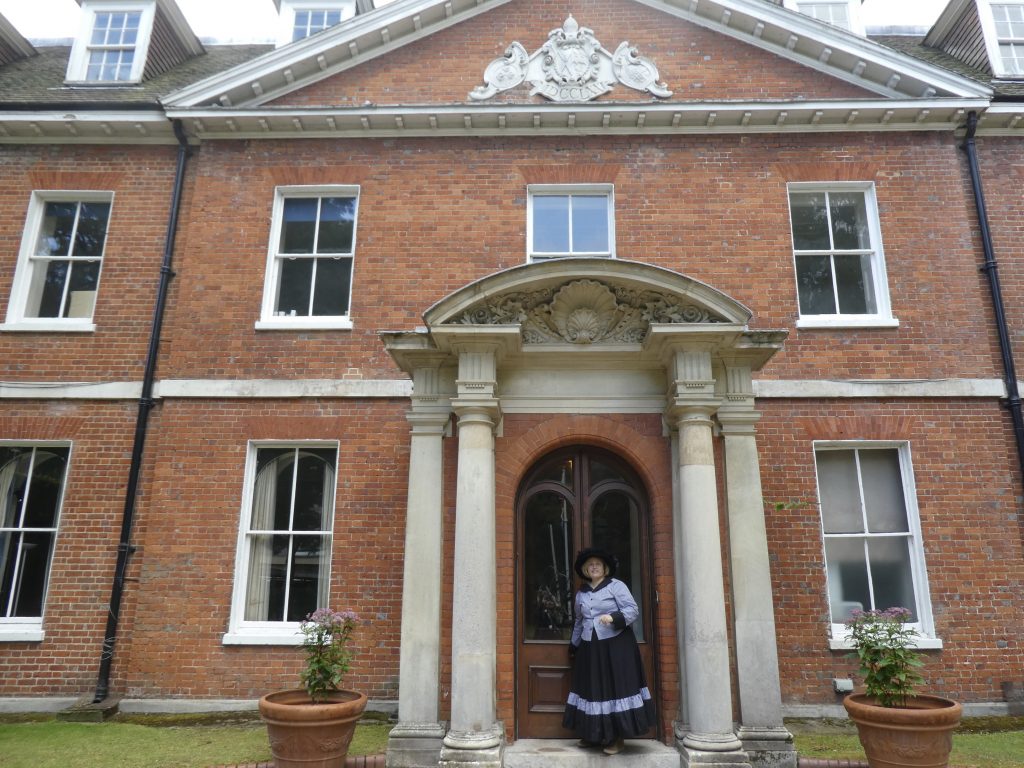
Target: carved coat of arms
<point>571,66</point>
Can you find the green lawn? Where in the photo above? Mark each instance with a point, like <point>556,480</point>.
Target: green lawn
<point>202,741</point>
<point>121,744</point>
<point>980,742</point>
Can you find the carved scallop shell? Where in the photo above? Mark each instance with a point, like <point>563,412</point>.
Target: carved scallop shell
<point>583,311</point>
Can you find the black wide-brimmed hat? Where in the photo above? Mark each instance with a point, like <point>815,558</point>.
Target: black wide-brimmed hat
<point>610,561</point>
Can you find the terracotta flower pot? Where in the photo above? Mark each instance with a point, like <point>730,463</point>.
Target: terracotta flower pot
<point>307,735</point>
<point>918,735</point>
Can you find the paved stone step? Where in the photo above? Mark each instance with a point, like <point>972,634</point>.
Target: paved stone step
<point>557,753</point>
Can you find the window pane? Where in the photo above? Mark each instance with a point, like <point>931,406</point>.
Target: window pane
<point>847,577</point>
<point>814,284</point>
<point>551,223</point>
<point>809,220</point>
<point>840,492</point>
<point>337,221</point>
<point>85,277</point>
<point>891,575</point>
<point>330,296</point>
<point>849,221</point>
<point>599,472</point>
<point>883,491</point>
<point>14,464</point>
<point>284,467</point>
<point>854,284</point>
<point>308,564</point>
<point>99,30</point>
<point>548,536</point>
<point>314,482</point>
<point>32,575</point>
<point>298,225</point>
<point>55,231</point>
<point>615,527</point>
<point>296,279</point>
<point>560,472</point>
<point>47,289</point>
<point>45,488</point>
<point>590,224</point>
<point>271,589</point>
<point>92,229</point>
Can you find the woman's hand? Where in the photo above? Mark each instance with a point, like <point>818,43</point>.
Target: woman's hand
<point>606,619</point>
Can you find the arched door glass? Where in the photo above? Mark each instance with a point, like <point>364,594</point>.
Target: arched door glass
<point>547,557</point>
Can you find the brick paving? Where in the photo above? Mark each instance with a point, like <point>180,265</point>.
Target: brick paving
<point>359,761</point>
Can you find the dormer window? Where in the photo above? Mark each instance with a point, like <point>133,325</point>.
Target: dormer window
<point>1009,21</point>
<point>113,43</point>
<point>303,18</point>
<point>839,13</point>
<point>122,42</point>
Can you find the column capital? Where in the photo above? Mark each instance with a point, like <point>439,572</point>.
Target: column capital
<point>737,420</point>
<point>429,421</point>
<point>481,410</point>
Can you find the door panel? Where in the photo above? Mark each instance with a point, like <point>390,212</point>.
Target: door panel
<point>571,499</point>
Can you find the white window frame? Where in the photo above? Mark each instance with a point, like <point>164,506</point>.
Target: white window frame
<point>992,40</point>
<point>240,631</point>
<point>289,8</point>
<point>29,629</point>
<point>839,635</point>
<point>534,191</point>
<point>852,12</point>
<point>268,320</point>
<point>78,63</point>
<point>16,319</point>
<point>882,317</point>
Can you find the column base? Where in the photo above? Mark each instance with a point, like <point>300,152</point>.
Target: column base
<point>712,742</point>
<point>415,745</point>
<point>736,758</point>
<point>769,747</point>
<point>473,749</point>
<point>488,757</point>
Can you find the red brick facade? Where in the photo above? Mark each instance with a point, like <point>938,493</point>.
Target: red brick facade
<point>436,214</point>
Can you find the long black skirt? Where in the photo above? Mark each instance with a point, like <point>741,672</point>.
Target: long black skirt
<point>609,698</point>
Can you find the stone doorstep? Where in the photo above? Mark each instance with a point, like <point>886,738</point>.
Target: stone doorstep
<point>561,753</point>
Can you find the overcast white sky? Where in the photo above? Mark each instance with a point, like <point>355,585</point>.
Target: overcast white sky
<point>255,20</point>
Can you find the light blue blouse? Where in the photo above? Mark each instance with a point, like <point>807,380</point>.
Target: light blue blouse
<point>611,597</point>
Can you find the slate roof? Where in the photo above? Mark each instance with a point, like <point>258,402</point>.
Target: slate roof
<point>39,80</point>
<point>1010,90</point>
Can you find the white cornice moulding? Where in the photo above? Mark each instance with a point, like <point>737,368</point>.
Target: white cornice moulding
<point>595,118</point>
<point>402,388</point>
<point>851,388</point>
<point>285,388</point>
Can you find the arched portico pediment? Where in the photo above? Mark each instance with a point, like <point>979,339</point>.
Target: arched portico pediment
<point>586,301</point>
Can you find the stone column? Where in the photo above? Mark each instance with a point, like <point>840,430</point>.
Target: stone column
<point>761,728</point>
<point>475,737</point>
<point>711,740</point>
<point>416,739</point>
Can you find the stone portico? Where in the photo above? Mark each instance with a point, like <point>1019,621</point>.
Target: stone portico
<point>588,336</point>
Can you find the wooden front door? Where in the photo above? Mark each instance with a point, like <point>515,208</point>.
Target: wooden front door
<point>573,498</point>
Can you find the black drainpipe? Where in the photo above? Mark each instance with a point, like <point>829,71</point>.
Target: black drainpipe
<point>124,548</point>
<point>991,269</point>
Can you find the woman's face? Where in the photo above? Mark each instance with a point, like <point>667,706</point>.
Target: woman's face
<point>594,568</point>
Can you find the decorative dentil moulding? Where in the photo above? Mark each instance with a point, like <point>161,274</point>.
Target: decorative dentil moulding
<point>571,66</point>
<point>584,312</point>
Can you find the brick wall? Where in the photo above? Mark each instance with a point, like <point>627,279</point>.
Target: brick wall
<point>694,62</point>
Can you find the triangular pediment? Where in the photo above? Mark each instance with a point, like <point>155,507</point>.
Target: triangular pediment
<point>763,25</point>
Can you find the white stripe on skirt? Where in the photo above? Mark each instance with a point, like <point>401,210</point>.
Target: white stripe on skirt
<point>613,705</point>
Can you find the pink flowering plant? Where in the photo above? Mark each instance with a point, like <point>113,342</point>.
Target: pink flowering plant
<point>882,643</point>
<point>326,638</point>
